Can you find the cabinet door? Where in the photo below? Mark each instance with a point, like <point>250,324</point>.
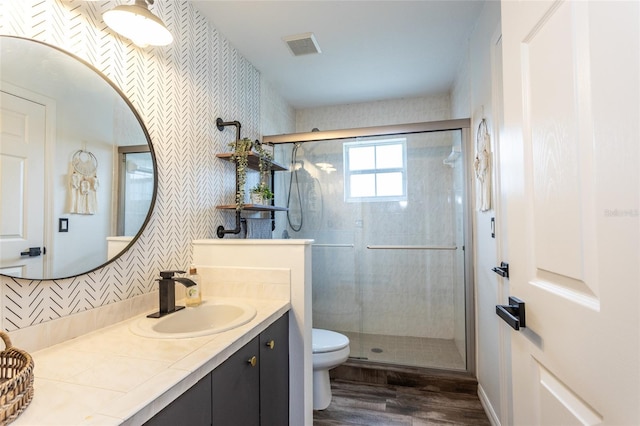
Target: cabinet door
<point>192,408</point>
<point>236,387</point>
<point>274,374</point>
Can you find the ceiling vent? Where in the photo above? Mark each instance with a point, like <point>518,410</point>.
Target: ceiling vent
<point>302,44</point>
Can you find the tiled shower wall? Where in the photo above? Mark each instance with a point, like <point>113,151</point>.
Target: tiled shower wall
<point>179,91</point>
<point>413,294</point>
<point>379,113</point>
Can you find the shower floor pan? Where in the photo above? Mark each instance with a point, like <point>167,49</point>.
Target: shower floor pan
<point>409,351</point>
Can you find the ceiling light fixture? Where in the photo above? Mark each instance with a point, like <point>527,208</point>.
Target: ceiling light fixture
<point>137,23</point>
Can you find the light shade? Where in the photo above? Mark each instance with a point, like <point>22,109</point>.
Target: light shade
<point>137,23</point>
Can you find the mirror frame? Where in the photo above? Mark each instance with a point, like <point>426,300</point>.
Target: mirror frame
<point>151,150</point>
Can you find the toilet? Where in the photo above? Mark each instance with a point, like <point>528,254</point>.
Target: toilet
<point>330,349</point>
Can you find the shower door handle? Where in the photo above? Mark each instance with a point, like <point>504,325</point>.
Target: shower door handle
<point>513,313</point>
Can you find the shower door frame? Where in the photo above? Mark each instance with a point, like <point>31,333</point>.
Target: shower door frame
<point>464,126</point>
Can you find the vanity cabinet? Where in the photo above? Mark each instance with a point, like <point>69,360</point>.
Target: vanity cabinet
<point>250,388</point>
<point>274,374</point>
<point>191,408</point>
<point>236,388</point>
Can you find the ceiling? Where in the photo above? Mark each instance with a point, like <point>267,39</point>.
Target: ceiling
<point>371,50</point>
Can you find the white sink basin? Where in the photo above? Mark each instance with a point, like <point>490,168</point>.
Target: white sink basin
<point>209,318</point>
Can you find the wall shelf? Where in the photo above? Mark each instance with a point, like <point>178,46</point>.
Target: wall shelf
<point>253,161</point>
<point>254,208</point>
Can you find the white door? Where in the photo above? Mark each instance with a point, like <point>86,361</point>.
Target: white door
<point>22,137</point>
<point>570,181</point>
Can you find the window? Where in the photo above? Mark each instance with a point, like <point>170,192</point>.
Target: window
<point>375,171</point>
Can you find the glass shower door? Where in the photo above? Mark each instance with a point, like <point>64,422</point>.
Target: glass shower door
<point>386,215</point>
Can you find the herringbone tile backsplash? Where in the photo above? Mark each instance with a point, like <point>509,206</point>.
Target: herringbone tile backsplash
<point>178,90</point>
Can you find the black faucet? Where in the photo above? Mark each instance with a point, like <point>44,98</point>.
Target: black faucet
<point>167,287</point>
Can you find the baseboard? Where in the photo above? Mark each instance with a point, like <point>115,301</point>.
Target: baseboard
<point>488,408</point>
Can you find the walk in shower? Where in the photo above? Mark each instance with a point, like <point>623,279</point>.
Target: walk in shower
<point>387,214</point>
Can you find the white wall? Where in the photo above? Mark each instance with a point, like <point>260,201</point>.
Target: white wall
<point>479,78</point>
<point>277,116</point>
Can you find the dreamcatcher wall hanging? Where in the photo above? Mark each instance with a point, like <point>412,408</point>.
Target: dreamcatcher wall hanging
<point>83,183</point>
<point>482,167</point>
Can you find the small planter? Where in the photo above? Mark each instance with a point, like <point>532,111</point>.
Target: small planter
<point>261,194</point>
<point>257,198</point>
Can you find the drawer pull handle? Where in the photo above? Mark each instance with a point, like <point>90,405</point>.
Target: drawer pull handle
<point>271,344</point>
<point>253,361</point>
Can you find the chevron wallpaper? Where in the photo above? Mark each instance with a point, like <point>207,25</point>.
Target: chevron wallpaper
<point>179,91</point>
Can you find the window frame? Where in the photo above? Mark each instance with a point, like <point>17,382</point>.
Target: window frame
<point>346,147</point>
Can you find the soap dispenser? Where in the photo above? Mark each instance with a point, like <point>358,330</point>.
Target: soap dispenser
<point>193,296</point>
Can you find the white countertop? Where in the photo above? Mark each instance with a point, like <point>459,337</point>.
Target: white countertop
<point>113,377</point>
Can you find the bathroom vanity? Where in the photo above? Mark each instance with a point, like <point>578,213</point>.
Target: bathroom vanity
<point>249,388</point>
<point>91,368</point>
<point>114,377</point>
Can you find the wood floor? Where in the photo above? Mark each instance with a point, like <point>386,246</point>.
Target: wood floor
<point>404,400</point>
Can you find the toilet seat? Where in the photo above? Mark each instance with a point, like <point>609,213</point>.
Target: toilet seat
<point>324,341</point>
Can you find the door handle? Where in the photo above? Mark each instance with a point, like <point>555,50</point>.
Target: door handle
<point>502,270</point>
<point>513,313</point>
<point>31,252</point>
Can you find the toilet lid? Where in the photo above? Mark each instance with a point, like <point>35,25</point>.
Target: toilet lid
<point>327,341</point>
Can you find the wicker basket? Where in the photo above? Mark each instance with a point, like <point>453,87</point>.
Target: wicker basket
<point>16,381</point>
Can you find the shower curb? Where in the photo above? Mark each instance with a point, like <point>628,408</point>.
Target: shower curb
<point>385,374</point>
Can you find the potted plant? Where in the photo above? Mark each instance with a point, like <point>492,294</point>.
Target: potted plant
<point>261,194</point>
<point>241,149</point>
<point>264,160</point>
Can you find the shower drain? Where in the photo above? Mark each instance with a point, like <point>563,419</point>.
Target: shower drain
<point>376,350</point>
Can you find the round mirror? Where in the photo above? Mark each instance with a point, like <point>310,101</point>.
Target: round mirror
<point>77,168</point>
